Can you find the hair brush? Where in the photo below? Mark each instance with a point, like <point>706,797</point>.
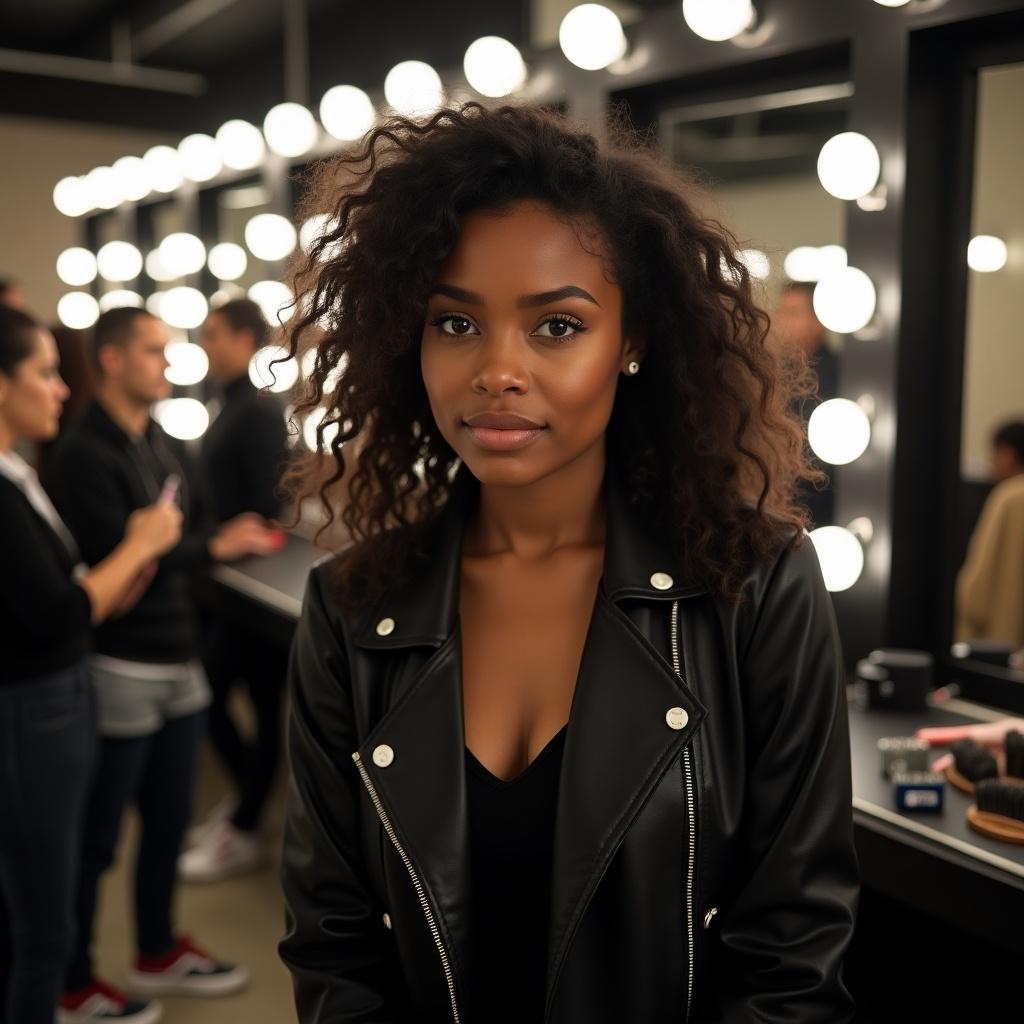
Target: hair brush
<point>971,763</point>
<point>999,810</point>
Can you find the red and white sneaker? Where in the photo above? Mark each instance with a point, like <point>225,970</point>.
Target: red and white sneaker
<point>186,970</point>
<point>100,1001</point>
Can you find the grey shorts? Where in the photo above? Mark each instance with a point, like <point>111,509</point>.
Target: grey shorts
<point>136,699</point>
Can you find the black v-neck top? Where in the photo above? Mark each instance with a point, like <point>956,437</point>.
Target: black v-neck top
<point>511,831</point>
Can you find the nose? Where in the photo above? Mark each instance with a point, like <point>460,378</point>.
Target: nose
<point>503,363</point>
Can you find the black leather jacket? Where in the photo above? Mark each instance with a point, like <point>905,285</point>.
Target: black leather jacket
<point>704,866</point>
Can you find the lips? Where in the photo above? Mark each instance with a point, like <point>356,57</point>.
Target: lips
<point>502,421</point>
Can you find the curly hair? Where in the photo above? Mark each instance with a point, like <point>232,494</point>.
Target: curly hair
<point>708,432</point>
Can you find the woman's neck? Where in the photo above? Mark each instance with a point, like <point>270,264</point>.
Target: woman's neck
<point>532,520</point>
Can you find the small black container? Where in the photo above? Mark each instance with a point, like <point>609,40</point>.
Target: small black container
<point>896,678</point>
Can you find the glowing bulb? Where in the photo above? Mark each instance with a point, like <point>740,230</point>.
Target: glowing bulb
<point>413,87</point>
<point>183,307</point>
<point>310,426</point>
<point>182,253</point>
<point>155,267</point>
<point>844,300</point>
<point>840,555</point>
<point>717,20</point>
<point>70,196</point>
<point>132,181</point>
<point>346,112</point>
<point>189,363</point>
<point>120,297</point>
<point>333,376</point>
<point>183,418</point>
<point>757,263</point>
<point>227,261</point>
<point>163,168</point>
<point>200,157</point>
<point>78,310</point>
<point>270,236</point>
<point>119,261</point>
<point>848,165</point>
<point>241,144</point>
<point>591,36</point>
<point>76,266</point>
<point>494,66</point>
<point>290,129</point>
<point>986,253</point>
<point>226,293</point>
<point>102,187</point>
<point>274,298</point>
<point>838,431</point>
<point>278,377</point>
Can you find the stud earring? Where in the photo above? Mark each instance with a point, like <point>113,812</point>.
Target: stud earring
<point>633,367</point>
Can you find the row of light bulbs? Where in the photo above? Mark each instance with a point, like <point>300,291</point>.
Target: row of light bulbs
<point>590,35</point>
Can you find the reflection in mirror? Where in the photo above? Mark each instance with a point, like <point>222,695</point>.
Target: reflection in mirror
<point>759,156</point>
<point>988,597</point>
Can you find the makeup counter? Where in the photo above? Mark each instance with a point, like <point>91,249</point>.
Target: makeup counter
<point>933,862</point>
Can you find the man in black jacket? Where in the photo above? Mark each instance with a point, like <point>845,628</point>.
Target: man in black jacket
<point>243,457</point>
<point>151,688</point>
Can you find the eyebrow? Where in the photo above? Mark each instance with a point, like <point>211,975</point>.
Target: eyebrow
<point>569,291</point>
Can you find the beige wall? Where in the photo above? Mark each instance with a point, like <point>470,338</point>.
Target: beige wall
<point>994,350</point>
<point>37,153</point>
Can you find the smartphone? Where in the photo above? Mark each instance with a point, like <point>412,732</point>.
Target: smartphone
<point>170,489</point>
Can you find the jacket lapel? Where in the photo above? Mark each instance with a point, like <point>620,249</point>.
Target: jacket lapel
<point>618,744</point>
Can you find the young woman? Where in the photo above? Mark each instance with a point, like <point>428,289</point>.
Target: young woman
<point>48,603</point>
<point>568,736</point>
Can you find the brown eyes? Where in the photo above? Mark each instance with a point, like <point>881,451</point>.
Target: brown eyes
<point>565,321</point>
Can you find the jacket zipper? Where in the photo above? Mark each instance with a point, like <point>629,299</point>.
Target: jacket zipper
<point>688,775</point>
<point>420,892</point>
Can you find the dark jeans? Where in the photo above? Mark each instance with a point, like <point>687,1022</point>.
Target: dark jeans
<point>157,774</point>
<point>233,654</point>
<point>47,751</point>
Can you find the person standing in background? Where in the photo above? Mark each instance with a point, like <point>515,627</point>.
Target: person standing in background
<point>48,602</point>
<point>243,456</point>
<point>797,325</point>
<point>12,294</point>
<point>152,691</point>
<point>990,584</point>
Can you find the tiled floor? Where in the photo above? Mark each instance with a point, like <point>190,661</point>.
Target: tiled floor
<point>240,920</point>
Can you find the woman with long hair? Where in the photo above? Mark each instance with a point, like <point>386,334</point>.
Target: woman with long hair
<point>568,736</point>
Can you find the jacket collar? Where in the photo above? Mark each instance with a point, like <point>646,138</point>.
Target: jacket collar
<point>425,608</point>
<point>99,421</point>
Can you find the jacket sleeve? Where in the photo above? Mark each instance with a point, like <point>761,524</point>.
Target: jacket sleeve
<point>334,942</point>
<point>786,927</point>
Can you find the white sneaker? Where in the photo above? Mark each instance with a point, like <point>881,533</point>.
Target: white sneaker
<point>223,852</point>
<point>186,970</point>
<point>222,811</point>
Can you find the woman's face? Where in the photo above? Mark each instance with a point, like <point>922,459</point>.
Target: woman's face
<point>32,397</point>
<point>523,320</point>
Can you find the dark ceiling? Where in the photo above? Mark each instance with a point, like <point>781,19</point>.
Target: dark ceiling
<point>237,47</point>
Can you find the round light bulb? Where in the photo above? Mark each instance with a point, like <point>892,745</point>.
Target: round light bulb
<point>227,261</point>
<point>290,129</point>
<point>163,168</point>
<point>278,377</point>
<point>830,258</point>
<point>70,196</point>
<point>132,179</point>
<point>838,431</point>
<point>756,262</point>
<point>717,20</point>
<point>153,302</point>
<point>986,253</point>
<point>333,376</point>
<point>119,261</point>
<point>226,293</point>
<point>188,363</point>
<point>848,165</point>
<point>802,263</point>
<point>844,300</point>
<point>77,310</point>
<point>591,36</point>
<point>274,298</point>
<point>494,66</point>
<point>183,307</point>
<point>182,253</point>
<point>155,267</point>
<point>76,266</point>
<point>840,555</point>
<point>346,112</point>
<point>270,236</point>
<point>183,418</point>
<point>413,87</point>
<point>310,426</point>
<point>240,144</point>
<point>200,157</point>
<point>102,187</point>
<point>120,297</point>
